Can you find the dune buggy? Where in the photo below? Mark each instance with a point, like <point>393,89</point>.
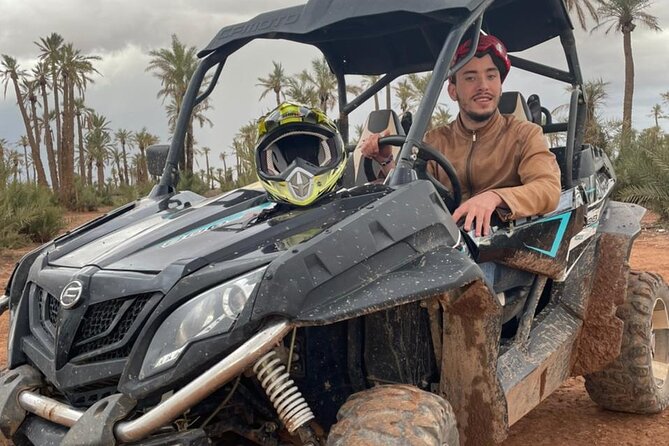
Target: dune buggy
<point>362,319</point>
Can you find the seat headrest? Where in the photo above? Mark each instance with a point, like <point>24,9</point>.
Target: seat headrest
<point>513,103</point>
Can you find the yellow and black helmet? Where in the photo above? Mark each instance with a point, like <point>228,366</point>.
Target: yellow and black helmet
<point>300,155</point>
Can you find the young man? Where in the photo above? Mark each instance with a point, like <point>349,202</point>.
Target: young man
<point>503,163</point>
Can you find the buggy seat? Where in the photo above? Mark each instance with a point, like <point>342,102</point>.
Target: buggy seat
<point>361,170</point>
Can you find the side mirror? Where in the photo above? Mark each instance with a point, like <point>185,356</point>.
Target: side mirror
<point>156,156</point>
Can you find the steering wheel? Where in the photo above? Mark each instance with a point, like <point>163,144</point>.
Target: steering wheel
<point>425,153</point>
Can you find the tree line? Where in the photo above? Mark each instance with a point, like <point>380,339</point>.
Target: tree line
<point>79,141</point>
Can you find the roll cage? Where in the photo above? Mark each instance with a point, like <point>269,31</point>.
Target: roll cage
<point>393,38</point>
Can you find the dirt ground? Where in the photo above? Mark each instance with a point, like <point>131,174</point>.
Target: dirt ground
<point>568,417</point>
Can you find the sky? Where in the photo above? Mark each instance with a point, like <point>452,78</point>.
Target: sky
<point>122,32</point>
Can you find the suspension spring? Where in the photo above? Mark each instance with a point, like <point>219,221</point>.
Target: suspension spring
<point>293,410</point>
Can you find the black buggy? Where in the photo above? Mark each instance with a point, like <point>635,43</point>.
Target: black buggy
<point>362,319</point>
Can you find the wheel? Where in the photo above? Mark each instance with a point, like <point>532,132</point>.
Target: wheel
<point>426,153</point>
<point>638,380</point>
<point>394,415</point>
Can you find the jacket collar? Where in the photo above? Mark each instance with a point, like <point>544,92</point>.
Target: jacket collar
<point>490,128</point>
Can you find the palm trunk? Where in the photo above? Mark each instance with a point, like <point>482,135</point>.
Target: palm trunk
<point>629,85</point>
<point>189,147</point>
<point>25,157</point>
<point>101,174</point>
<point>53,169</point>
<point>67,156</point>
<point>89,171</point>
<point>119,174</point>
<point>125,164</point>
<point>37,161</point>
<point>142,171</point>
<point>278,97</point>
<point>210,181</point>
<point>82,149</point>
<point>56,103</point>
<point>51,157</point>
<point>388,97</point>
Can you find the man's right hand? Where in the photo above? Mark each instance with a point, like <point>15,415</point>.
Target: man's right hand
<point>369,147</point>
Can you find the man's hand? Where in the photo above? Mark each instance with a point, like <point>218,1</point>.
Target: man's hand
<point>369,147</point>
<point>479,208</point>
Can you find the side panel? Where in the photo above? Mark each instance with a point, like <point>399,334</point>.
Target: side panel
<point>599,341</point>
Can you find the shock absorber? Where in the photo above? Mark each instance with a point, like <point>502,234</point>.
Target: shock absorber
<point>293,410</point>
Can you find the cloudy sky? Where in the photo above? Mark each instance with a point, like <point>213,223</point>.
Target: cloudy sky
<point>122,32</point>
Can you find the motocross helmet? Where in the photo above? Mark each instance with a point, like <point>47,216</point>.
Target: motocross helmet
<point>299,155</point>
<point>487,45</point>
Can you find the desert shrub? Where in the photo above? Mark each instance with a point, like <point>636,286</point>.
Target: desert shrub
<point>28,213</point>
<point>86,198</point>
<point>124,194</point>
<point>192,183</point>
<point>643,172</point>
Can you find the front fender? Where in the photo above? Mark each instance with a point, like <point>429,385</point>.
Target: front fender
<point>432,274</point>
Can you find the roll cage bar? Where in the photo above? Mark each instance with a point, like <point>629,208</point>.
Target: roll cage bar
<point>470,26</point>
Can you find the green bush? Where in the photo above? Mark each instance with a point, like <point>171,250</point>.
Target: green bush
<point>192,183</point>
<point>86,198</point>
<point>643,172</point>
<point>28,213</point>
<point>124,194</point>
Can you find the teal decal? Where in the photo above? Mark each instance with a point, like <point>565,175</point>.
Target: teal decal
<point>218,223</point>
<point>564,221</point>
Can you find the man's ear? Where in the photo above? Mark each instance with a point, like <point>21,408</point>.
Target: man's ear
<point>451,91</point>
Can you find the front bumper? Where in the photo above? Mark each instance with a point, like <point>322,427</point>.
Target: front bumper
<point>102,423</point>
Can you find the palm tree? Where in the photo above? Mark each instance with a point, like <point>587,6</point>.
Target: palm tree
<point>75,72</point>
<point>223,156</point>
<point>656,113</point>
<point>404,93</point>
<point>440,117</point>
<point>581,7</point>
<point>13,162</point>
<point>210,181</point>
<point>324,83</point>
<point>98,145</point>
<point>274,82</point>
<point>3,169</point>
<point>143,139</point>
<point>621,16</point>
<point>301,90</point>
<point>116,157</point>
<point>124,137</point>
<point>82,115</point>
<point>23,142</point>
<point>418,86</point>
<point>174,67</point>
<point>51,53</point>
<point>243,145</point>
<point>12,72</point>
<point>40,73</point>
<point>368,81</point>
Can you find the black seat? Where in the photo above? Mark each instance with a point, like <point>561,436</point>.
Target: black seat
<point>513,103</point>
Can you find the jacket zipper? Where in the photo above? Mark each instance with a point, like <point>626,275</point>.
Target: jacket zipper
<point>469,166</point>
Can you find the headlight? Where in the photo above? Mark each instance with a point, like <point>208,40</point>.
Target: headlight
<point>208,314</point>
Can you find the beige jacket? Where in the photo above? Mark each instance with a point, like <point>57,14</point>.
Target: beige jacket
<point>508,156</point>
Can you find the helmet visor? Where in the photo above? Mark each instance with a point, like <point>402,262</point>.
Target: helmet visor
<point>312,151</point>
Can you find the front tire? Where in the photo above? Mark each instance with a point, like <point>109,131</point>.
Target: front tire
<point>395,415</point>
<point>638,380</point>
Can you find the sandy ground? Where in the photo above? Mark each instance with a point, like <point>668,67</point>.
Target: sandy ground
<point>566,418</point>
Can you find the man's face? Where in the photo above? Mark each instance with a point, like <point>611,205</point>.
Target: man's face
<point>477,89</point>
